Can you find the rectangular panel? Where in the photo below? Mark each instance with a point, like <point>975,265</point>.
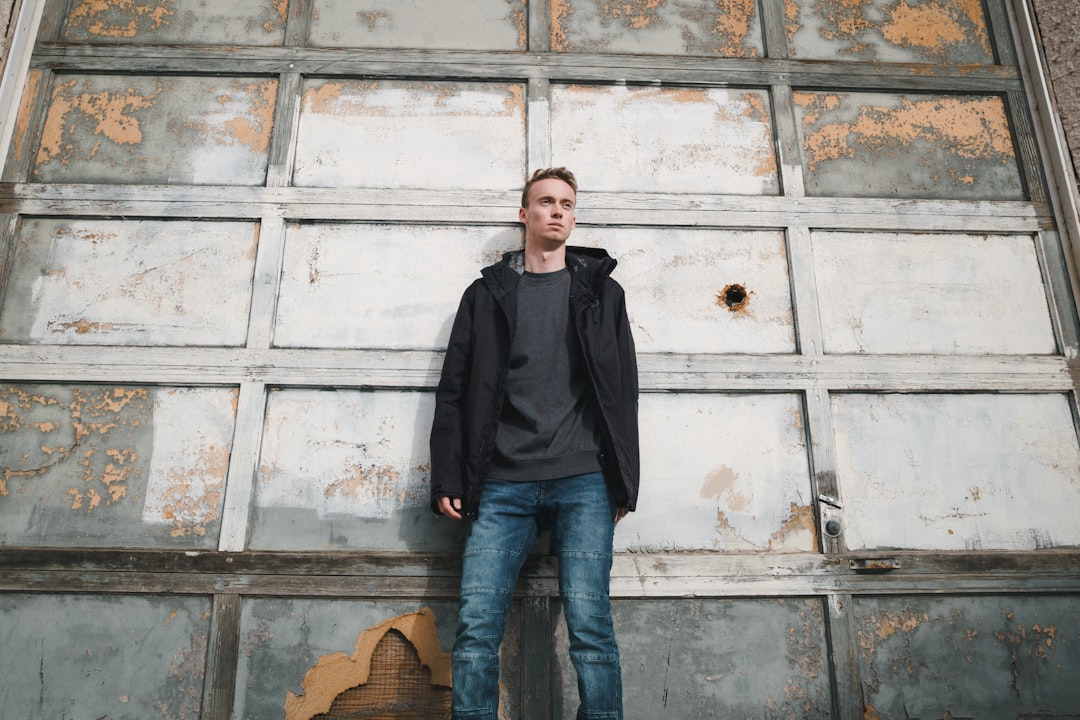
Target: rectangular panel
<point>428,24</point>
<point>670,139</point>
<point>722,472</point>
<point>912,146</point>
<point>1008,656</point>
<point>177,22</point>
<point>702,291</point>
<point>106,466</point>
<point>129,282</point>
<point>914,31</point>
<point>282,639</point>
<point>714,28</point>
<point>91,656</point>
<point>928,293</point>
<point>389,133</point>
<point>957,472</point>
<point>379,286</point>
<point>167,130</point>
<point>689,658</point>
<point>347,470</point>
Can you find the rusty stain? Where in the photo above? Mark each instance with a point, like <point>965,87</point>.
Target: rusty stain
<point>974,127</point>
<point>799,524</point>
<point>186,669</point>
<point>560,11</point>
<point>97,411</point>
<point>734,20</point>
<point>372,18</point>
<point>734,297</point>
<point>112,112</point>
<point>195,491</point>
<point>721,483</point>
<point>887,625</point>
<point>281,7</point>
<point>637,13</point>
<point>791,20</point>
<point>94,14</point>
<point>82,326</point>
<point>520,18</point>
<point>845,20</point>
<point>250,127</point>
<point>1036,641</point>
<point>934,26</point>
<point>26,107</point>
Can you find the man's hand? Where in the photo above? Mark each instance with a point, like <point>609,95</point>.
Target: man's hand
<point>450,507</point>
<point>620,514</point>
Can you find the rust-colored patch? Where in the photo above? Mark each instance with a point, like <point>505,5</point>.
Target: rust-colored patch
<point>732,27</point>
<point>560,10</point>
<point>519,16</point>
<point>372,18</point>
<point>253,126</point>
<point>1034,641</point>
<point>846,21</point>
<point>886,625</point>
<point>792,21</point>
<point>636,14</point>
<point>799,526</point>
<point>112,111</point>
<point>120,18</point>
<point>21,134</point>
<point>734,298</point>
<point>933,27</point>
<point>195,491</point>
<point>102,412</point>
<point>720,484</point>
<point>970,128</point>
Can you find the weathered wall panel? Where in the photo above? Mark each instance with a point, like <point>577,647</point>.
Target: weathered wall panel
<point>648,139</point>
<point>105,466</point>
<point>956,472</point>
<point>181,130</point>
<point>251,22</point>
<point>379,286</point>
<point>702,291</point>
<point>428,24</point>
<point>388,133</point>
<point>933,294</point>
<point>916,31</point>
<point>752,659</point>
<point>130,282</point>
<point>282,638</point>
<point>102,656</point>
<point>346,470</point>
<point>727,473</point>
<point>885,145</point>
<point>714,28</point>
<point>969,657</point>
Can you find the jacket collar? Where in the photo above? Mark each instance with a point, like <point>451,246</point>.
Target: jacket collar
<point>589,268</point>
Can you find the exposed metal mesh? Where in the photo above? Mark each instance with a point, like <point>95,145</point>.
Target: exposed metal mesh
<point>398,688</point>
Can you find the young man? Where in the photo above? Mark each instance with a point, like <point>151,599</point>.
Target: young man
<point>536,428</point>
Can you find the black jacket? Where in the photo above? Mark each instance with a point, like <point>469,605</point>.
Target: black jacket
<point>469,397</point>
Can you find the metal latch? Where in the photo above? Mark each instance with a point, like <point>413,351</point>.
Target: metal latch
<point>874,565</point>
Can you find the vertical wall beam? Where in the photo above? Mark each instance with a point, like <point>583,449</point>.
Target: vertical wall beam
<point>222,654</point>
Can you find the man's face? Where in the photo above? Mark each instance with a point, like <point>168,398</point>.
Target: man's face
<point>549,217</point>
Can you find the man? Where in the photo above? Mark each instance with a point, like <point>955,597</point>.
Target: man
<point>536,428</point>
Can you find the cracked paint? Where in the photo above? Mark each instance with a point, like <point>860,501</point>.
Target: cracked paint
<point>246,117</point>
<point>937,31</point>
<point>94,451</point>
<point>120,18</point>
<point>951,145</point>
<point>115,115</point>
<point>720,28</point>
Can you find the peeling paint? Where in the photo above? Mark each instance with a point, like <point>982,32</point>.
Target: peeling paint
<point>115,114</point>
<point>952,146</point>
<point>937,31</point>
<point>248,110</point>
<point>93,451</point>
<point>103,18</point>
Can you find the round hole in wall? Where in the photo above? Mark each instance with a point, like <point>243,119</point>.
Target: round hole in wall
<point>734,297</point>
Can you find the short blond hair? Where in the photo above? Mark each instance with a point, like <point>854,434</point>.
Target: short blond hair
<point>558,173</point>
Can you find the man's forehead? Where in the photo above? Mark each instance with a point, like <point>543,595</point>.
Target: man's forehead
<point>551,187</point>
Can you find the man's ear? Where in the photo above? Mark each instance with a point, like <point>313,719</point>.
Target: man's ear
<point>521,214</point>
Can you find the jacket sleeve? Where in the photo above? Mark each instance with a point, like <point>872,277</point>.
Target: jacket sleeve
<point>448,439</point>
<point>630,452</point>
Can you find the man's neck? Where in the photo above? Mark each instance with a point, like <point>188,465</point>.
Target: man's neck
<point>543,260</point>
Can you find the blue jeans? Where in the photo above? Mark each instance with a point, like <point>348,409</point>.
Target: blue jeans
<point>581,515</point>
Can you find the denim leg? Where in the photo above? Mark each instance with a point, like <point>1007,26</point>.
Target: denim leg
<point>584,526</point>
<point>498,543</point>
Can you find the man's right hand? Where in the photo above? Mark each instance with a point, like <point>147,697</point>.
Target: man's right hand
<point>450,507</point>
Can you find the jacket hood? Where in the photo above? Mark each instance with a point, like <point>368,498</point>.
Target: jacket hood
<point>589,266</point>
